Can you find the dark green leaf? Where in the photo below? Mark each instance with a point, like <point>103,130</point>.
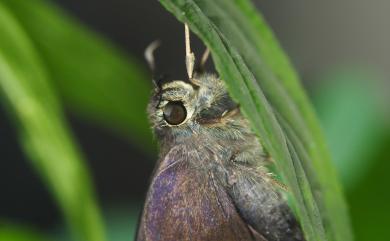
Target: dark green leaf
<point>261,79</point>
<point>43,133</point>
<point>15,233</point>
<point>95,80</point>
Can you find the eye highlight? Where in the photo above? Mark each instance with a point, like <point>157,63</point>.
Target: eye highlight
<point>175,113</point>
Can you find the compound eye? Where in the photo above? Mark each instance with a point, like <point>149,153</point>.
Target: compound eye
<point>175,113</point>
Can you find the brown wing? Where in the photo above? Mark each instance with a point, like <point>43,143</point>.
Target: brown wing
<point>261,206</point>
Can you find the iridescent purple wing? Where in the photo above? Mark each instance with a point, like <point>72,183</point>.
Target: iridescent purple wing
<point>185,202</point>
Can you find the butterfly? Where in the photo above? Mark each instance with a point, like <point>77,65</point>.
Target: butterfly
<point>211,181</point>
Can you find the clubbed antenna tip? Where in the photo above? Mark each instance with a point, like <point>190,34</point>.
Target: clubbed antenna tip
<point>149,54</point>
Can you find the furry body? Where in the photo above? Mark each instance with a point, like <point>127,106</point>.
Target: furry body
<point>211,182</point>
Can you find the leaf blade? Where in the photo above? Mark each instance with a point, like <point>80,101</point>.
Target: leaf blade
<point>250,67</point>
<point>43,132</point>
<point>95,80</point>
<point>10,232</point>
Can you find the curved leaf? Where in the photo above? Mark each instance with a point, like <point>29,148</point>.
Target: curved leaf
<point>43,132</point>
<point>95,80</point>
<point>260,77</point>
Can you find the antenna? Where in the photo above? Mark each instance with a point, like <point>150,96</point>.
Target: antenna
<point>205,57</point>
<point>190,57</point>
<point>149,54</point>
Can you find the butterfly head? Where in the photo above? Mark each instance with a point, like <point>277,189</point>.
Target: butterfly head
<point>182,107</point>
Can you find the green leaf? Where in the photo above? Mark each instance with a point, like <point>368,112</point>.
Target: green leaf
<point>260,77</point>
<point>95,80</point>
<point>15,233</point>
<point>43,132</point>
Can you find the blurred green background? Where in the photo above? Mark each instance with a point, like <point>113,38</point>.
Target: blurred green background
<point>89,49</point>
